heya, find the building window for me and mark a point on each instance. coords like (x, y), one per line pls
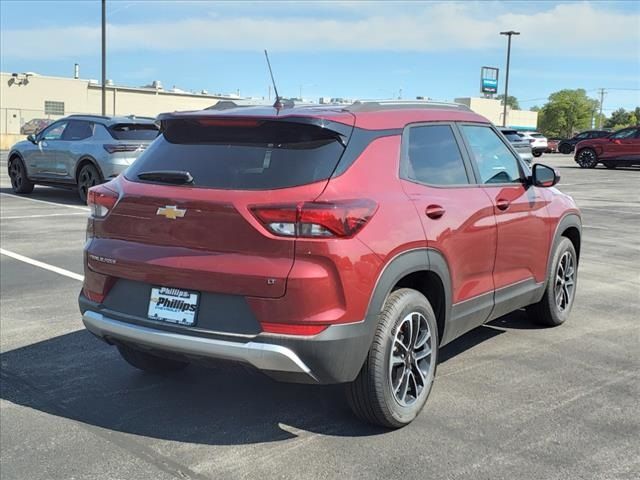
(53, 108)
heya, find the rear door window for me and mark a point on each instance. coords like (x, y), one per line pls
(434, 156)
(78, 130)
(243, 154)
(134, 131)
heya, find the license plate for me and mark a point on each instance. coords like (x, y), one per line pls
(173, 305)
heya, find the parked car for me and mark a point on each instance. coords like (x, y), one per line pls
(537, 140)
(520, 145)
(618, 149)
(325, 245)
(552, 145)
(34, 125)
(78, 152)
(567, 146)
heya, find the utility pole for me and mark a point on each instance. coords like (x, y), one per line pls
(104, 57)
(602, 92)
(509, 34)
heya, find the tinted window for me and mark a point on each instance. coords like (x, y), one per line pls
(256, 155)
(434, 156)
(495, 161)
(536, 135)
(78, 130)
(582, 136)
(628, 133)
(512, 135)
(54, 132)
(134, 131)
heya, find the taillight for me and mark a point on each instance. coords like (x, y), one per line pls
(123, 147)
(101, 200)
(341, 219)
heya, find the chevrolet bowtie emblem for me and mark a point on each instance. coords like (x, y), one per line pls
(171, 211)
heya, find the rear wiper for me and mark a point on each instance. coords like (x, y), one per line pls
(175, 177)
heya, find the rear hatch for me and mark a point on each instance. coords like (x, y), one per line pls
(202, 235)
(130, 139)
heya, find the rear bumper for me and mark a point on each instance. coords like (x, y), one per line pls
(263, 356)
(335, 355)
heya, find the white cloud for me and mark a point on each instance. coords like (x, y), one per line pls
(565, 29)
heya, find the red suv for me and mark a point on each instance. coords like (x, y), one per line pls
(621, 148)
(325, 245)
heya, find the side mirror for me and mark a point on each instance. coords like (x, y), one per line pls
(32, 139)
(544, 176)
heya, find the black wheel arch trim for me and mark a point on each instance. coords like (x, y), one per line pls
(91, 160)
(16, 153)
(569, 220)
(403, 264)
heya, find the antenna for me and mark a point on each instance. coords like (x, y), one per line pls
(278, 103)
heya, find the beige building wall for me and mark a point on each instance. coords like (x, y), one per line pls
(493, 111)
(23, 99)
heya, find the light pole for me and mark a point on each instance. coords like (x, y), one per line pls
(506, 83)
(104, 58)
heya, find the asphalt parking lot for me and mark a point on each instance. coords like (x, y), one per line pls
(511, 401)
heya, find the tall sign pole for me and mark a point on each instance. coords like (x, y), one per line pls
(104, 57)
(509, 34)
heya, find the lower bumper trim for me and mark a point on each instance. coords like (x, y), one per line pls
(263, 356)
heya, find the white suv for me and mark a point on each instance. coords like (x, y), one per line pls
(537, 140)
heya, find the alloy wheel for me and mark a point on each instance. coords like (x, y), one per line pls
(565, 282)
(410, 362)
(86, 180)
(16, 174)
(587, 158)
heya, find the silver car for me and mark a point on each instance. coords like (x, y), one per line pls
(520, 145)
(78, 152)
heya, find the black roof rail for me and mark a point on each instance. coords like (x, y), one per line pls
(374, 105)
(75, 115)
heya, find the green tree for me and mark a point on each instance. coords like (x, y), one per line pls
(621, 119)
(567, 112)
(535, 108)
(512, 102)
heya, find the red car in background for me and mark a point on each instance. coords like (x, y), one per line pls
(618, 149)
(552, 145)
(331, 244)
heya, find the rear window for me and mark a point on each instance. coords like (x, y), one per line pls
(536, 135)
(512, 135)
(243, 154)
(134, 131)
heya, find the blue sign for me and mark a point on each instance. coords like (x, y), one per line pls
(489, 80)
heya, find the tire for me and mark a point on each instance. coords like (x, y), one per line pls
(549, 310)
(384, 394)
(565, 149)
(87, 178)
(587, 158)
(150, 363)
(20, 183)
(537, 154)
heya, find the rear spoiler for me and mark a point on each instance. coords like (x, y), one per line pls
(342, 130)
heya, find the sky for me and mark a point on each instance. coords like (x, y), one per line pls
(353, 49)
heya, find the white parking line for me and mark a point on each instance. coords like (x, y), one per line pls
(37, 263)
(15, 217)
(77, 207)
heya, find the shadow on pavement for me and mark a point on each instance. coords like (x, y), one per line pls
(78, 377)
(50, 194)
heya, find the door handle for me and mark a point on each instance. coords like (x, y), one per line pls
(434, 211)
(502, 204)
